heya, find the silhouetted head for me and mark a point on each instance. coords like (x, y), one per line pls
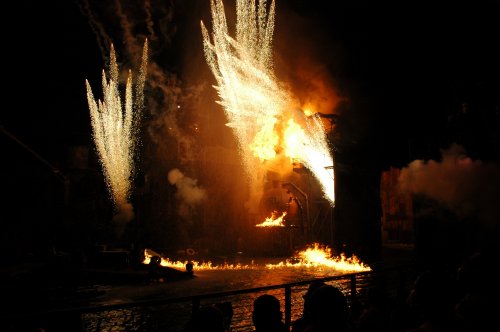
(432, 295)
(312, 287)
(206, 319)
(266, 313)
(328, 308)
(227, 311)
(307, 296)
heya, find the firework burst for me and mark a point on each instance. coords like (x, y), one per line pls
(264, 116)
(115, 125)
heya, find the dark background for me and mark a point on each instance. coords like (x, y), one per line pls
(405, 69)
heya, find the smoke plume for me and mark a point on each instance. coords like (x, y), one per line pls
(468, 187)
(124, 214)
(188, 191)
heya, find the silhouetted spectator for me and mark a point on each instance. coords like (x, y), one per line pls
(376, 312)
(302, 322)
(154, 268)
(267, 315)
(189, 267)
(206, 319)
(227, 311)
(477, 307)
(432, 300)
(329, 310)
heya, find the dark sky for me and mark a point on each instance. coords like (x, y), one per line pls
(403, 67)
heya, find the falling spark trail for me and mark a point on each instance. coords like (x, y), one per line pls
(115, 129)
(259, 109)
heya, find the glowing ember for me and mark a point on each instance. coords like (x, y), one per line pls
(273, 221)
(264, 116)
(321, 256)
(114, 129)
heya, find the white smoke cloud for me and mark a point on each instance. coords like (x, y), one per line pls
(470, 188)
(124, 214)
(188, 191)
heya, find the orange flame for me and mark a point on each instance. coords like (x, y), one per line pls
(273, 221)
(316, 256)
(308, 109)
(148, 254)
(266, 141)
(321, 256)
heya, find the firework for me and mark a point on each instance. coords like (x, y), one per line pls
(263, 115)
(114, 125)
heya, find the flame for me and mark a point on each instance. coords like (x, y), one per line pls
(273, 221)
(265, 141)
(166, 262)
(264, 116)
(315, 256)
(321, 256)
(308, 110)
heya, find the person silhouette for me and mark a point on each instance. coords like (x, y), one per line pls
(208, 318)
(267, 315)
(303, 321)
(329, 310)
(227, 312)
(432, 300)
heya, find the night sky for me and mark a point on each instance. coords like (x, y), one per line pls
(402, 68)
(401, 71)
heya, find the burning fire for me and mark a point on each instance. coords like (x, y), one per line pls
(264, 116)
(273, 221)
(314, 256)
(148, 254)
(321, 256)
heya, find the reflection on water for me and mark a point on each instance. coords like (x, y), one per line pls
(172, 317)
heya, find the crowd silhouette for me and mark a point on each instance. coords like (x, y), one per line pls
(435, 301)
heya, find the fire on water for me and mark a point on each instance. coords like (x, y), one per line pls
(314, 256)
(321, 256)
(148, 254)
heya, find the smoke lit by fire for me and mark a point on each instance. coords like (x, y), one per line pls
(467, 187)
(272, 127)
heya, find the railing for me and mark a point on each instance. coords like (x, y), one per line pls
(352, 290)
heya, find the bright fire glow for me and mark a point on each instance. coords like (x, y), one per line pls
(263, 115)
(114, 129)
(273, 221)
(316, 256)
(197, 265)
